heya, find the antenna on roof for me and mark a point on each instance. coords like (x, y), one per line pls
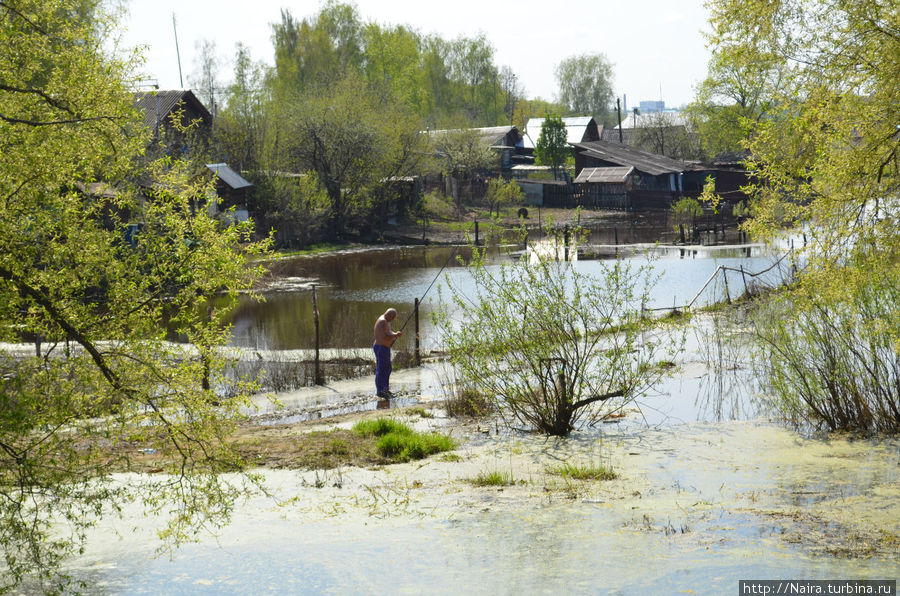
(177, 53)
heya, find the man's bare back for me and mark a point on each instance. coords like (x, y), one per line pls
(384, 335)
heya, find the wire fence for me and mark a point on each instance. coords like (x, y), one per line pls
(752, 281)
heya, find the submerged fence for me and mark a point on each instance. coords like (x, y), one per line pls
(749, 286)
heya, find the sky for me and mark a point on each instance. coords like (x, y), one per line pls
(656, 46)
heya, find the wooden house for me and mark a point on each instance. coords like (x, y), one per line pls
(231, 188)
(653, 182)
(161, 111)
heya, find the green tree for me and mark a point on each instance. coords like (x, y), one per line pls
(341, 133)
(317, 51)
(552, 148)
(827, 158)
(107, 381)
(740, 91)
(549, 345)
(462, 154)
(585, 84)
(502, 192)
(242, 124)
(393, 62)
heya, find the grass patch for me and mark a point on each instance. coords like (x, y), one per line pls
(398, 442)
(495, 478)
(421, 412)
(584, 472)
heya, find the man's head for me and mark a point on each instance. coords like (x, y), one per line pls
(390, 314)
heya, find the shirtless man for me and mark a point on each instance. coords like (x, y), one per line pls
(384, 339)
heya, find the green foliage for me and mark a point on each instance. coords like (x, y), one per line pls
(341, 134)
(535, 337)
(826, 157)
(462, 154)
(833, 360)
(585, 84)
(552, 148)
(381, 426)
(503, 192)
(69, 276)
(242, 122)
(684, 211)
(742, 89)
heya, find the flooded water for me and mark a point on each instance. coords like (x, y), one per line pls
(354, 288)
(696, 509)
(709, 493)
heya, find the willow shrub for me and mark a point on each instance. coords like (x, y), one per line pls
(834, 362)
(552, 346)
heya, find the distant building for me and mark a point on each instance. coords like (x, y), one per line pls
(648, 107)
(231, 188)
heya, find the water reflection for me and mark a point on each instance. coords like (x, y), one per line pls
(355, 288)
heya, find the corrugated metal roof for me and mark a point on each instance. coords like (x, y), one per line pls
(228, 176)
(531, 168)
(616, 174)
(157, 105)
(492, 136)
(576, 128)
(626, 155)
(654, 119)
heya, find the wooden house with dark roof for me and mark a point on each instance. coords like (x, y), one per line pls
(652, 182)
(159, 107)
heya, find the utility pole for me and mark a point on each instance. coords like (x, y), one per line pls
(177, 52)
(619, 112)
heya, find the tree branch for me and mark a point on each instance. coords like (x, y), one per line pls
(56, 103)
(595, 398)
(55, 122)
(23, 17)
(45, 302)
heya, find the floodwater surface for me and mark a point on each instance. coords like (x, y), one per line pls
(695, 509)
(354, 288)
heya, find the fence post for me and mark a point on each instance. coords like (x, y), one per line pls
(418, 354)
(566, 241)
(476, 232)
(744, 277)
(318, 375)
(727, 293)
